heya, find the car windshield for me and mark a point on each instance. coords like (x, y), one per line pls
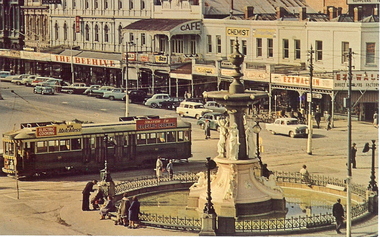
(198, 107)
(292, 122)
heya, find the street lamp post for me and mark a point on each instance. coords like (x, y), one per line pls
(372, 183)
(209, 214)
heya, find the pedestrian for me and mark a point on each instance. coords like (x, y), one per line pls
(305, 176)
(207, 129)
(338, 213)
(86, 195)
(353, 155)
(98, 199)
(169, 168)
(159, 167)
(123, 210)
(133, 213)
(375, 119)
(328, 120)
(108, 207)
(318, 117)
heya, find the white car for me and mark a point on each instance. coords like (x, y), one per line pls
(287, 126)
(215, 107)
(191, 109)
(156, 99)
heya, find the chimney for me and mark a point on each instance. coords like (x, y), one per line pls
(357, 14)
(248, 11)
(302, 11)
(280, 12)
(339, 11)
(332, 13)
(376, 11)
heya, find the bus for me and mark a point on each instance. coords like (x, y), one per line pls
(74, 147)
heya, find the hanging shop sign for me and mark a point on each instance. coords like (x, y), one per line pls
(77, 24)
(301, 81)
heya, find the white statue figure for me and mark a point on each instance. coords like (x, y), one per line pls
(231, 191)
(222, 122)
(234, 142)
(201, 181)
(250, 139)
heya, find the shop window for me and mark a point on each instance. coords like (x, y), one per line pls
(370, 53)
(270, 48)
(285, 48)
(259, 47)
(318, 50)
(218, 44)
(297, 49)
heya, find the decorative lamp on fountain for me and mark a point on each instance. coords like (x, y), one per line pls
(238, 190)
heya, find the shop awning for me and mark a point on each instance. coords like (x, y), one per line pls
(183, 72)
(166, 26)
(89, 58)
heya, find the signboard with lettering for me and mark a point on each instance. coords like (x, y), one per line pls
(153, 124)
(236, 31)
(360, 81)
(77, 24)
(302, 81)
(190, 27)
(51, 2)
(202, 70)
(264, 33)
(363, 2)
(161, 59)
(86, 61)
(59, 130)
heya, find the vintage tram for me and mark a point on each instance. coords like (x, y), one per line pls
(62, 147)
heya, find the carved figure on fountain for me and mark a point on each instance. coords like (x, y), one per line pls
(234, 142)
(223, 134)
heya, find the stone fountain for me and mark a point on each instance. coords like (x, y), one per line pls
(238, 189)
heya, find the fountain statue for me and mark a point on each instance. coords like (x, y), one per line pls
(238, 189)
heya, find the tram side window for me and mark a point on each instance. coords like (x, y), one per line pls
(141, 138)
(9, 148)
(126, 140)
(92, 142)
(180, 136)
(161, 137)
(151, 138)
(171, 136)
(42, 146)
(76, 144)
(64, 145)
(53, 145)
(187, 135)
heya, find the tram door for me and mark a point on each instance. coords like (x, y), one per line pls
(86, 152)
(131, 148)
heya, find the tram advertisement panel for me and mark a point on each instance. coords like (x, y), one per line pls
(150, 124)
(59, 130)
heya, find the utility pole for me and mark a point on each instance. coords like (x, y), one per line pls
(310, 100)
(348, 105)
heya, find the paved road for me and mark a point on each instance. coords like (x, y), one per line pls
(52, 206)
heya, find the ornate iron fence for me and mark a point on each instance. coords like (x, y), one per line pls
(270, 225)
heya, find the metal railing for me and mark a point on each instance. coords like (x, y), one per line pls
(271, 225)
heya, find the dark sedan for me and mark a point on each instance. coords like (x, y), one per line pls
(172, 103)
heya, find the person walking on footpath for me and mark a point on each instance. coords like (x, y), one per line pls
(318, 117)
(159, 166)
(123, 210)
(207, 129)
(169, 168)
(305, 176)
(375, 119)
(328, 120)
(133, 213)
(338, 213)
(353, 155)
(86, 195)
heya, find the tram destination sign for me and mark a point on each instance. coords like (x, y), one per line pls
(152, 124)
(59, 130)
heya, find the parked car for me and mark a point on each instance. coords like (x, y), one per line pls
(287, 126)
(98, 93)
(198, 100)
(43, 89)
(172, 103)
(215, 107)
(156, 100)
(75, 88)
(27, 81)
(91, 88)
(191, 109)
(212, 118)
(4, 74)
(115, 94)
(39, 80)
(18, 78)
(137, 96)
